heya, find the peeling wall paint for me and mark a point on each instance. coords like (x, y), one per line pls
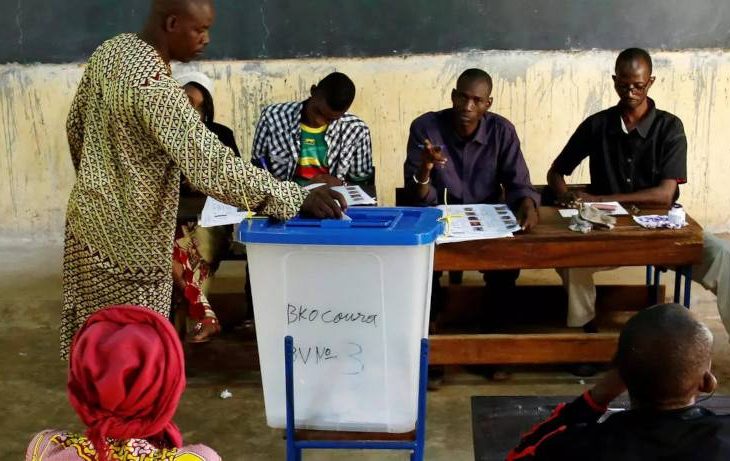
(545, 94)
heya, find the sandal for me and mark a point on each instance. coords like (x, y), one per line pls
(204, 330)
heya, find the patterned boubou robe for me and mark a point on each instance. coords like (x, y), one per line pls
(131, 132)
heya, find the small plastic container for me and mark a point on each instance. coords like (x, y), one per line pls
(355, 296)
(676, 215)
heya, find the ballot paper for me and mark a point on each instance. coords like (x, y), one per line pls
(217, 213)
(354, 195)
(654, 221)
(610, 208)
(477, 222)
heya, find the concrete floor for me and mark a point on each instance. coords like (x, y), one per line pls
(32, 378)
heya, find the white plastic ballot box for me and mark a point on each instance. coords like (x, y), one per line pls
(355, 296)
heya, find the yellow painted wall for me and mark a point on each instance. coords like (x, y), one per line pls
(545, 94)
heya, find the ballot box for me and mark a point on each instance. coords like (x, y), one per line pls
(355, 296)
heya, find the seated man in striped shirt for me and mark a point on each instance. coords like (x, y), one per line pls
(315, 140)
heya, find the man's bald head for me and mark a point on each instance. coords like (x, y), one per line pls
(164, 8)
(664, 357)
(180, 27)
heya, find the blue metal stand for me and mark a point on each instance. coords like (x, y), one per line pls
(653, 279)
(649, 270)
(686, 272)
(681, 271)
(294, 447)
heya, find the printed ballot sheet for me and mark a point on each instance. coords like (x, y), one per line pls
(354, 195)
(477, 222)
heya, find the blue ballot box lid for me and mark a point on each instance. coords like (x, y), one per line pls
(368, 226)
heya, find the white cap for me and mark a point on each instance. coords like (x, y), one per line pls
(196, 77)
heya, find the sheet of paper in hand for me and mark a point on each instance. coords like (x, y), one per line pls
(477, 222)
(217, 213)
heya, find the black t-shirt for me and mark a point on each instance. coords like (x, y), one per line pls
(573, 433)
(623, 163)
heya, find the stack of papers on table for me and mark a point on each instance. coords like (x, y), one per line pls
(610, 208)
(477, 222)
(354, 195)
(217, 213)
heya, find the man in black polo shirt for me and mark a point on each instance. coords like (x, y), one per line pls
(637, 154)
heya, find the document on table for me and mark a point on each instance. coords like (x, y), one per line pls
(611, 208)
(354, 195)
(477, 222)
(217, 213)
(654, 221)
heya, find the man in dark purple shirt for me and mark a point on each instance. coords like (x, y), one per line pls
(475, 157)
(471, 153)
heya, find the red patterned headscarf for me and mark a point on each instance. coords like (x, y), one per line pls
(126, 377)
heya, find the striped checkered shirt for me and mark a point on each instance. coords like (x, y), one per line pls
(278, 142)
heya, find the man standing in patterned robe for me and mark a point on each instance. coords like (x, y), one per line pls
(131, 132)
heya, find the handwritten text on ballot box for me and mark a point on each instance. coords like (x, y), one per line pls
(355, 297)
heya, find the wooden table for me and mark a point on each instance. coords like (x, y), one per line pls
(552, 245)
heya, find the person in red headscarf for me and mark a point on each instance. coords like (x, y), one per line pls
(125, 380)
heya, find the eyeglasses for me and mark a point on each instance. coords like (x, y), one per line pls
(639, 87)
